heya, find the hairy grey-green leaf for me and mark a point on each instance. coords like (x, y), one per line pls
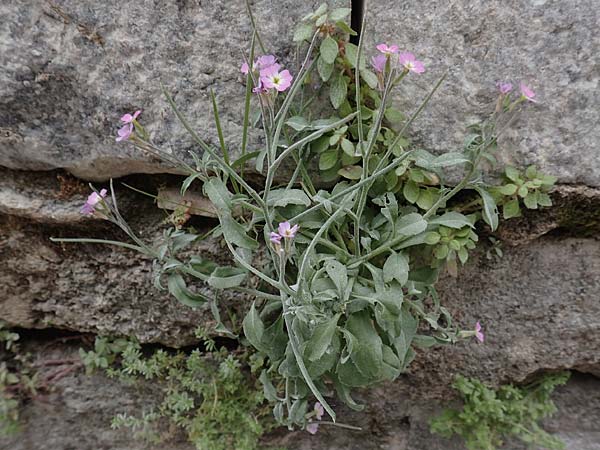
(396, 267)
(254, 328)
(368, 356)
(411, 224)
(226, 277)
(452, 219)
(329, 50)
(321, 338)
(284, 197)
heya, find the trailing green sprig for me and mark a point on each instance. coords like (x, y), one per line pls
(490, 416)
(208, 395)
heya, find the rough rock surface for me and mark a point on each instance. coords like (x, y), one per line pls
(78, 411)
(69, 69)
(85, 287)
(551, 45)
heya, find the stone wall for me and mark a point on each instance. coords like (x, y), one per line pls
(69, 69)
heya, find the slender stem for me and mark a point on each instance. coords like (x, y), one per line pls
(99, 241)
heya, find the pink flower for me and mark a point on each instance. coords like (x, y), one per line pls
(383, 48)
(319, 411)
(410, 63)
(272, 78)
(275, 238)
(527, 93)
(286, 230)
(128, 118)
(124, 132)
(312, 427)
(262, 62)
(93, 199)
(478, 333)
(504, 87)
(378, 63)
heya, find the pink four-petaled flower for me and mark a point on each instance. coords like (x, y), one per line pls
(275, 238)
(126, 130)
(93, 199)
(478, 333)
(410, 63)
(527, 93)
(378, 62)
(286, 230)
(272, 78)
(387, 50)
(312, 427)
(504, 87)
(319, 410)
(129, 118)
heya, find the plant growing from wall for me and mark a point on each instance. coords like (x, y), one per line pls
(348, 288)
(490, 416)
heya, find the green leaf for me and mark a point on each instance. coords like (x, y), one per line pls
(269, 390)
(351, 172)
(531, 172)
(449, 159)
(283, 197)
(426, 199)
(452, 219)
(329, 50)
(343, 26)
(508, 189)
(304, 32)
(321, 339)
(368, 354)
(410, 191)
(511, 209)
(370, 78)
(396, 267)
(523, 191)
(338, 273)
(348, 147)
(188, 181)
(530, 200)
(328, 159)
(226, 277)
(411, 224)
(254, 329)
(298, 123)
(179, 290)
(512, 173)
(218, 193)
(394, 115)
(235, 233)
(351, 54)
(490, 210)
(324, 68)
(338, 91)
(339, 14)
(544, 199)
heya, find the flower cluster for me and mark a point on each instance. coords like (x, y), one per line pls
(268, 75)
(406, 60)
(527, 93)
(93, 199)
(126, 130)
(284, 231)
(318, 413)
